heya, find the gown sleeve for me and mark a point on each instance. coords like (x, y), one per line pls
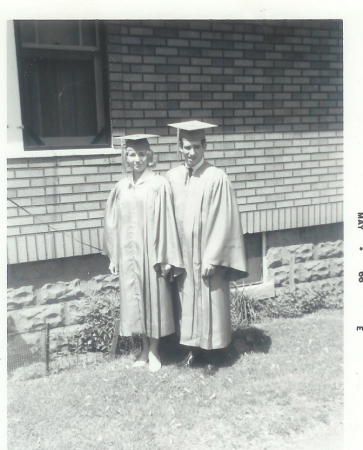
(167, 244)
(110, 234)
(224, 244)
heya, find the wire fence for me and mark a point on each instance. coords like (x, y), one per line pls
(29, 354)
(28, 349)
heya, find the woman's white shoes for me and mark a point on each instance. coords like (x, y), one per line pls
(154, 362)
(139, 363)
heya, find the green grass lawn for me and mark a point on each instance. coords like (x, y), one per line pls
(291, 397)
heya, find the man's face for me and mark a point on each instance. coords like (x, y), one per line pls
(193, 151)
(137, 159)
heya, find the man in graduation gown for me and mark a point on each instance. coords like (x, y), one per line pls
(211, 239)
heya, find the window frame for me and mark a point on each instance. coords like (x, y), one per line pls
(100, 62)
(263, 278)
(260, 257)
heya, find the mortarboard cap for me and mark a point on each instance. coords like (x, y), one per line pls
(192, 125)
(191, 129)
(137, 137)
(137, 142)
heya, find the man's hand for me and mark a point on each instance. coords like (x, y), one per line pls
(165, 269)
(113, 268)
(208, 270)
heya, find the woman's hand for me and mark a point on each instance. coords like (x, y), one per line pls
(113, 268)
(208, 270)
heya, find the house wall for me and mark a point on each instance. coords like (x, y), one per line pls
(65, 197)
(274, 89)
(268, 76)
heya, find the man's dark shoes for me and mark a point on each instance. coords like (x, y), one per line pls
(238, 345)
(186, 362)
(197, 358)
(210, 369)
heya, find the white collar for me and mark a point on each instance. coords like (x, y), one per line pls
(197, 166)
(146, 175)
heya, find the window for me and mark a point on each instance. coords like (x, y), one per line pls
(253, 246)
(63, 91)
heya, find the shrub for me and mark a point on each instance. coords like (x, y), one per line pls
(301, 300)
(100, 319)
(102, 311)
(287, 304)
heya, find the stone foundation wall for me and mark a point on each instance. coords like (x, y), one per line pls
(62, 305)
(307, 265)
(31, 300)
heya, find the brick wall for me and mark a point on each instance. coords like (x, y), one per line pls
(259, 76)
(277, 187)
(274, 89)
(66, 198)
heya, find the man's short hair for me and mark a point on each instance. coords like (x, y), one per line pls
(202, 141)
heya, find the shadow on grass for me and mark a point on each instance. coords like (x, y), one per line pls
(244, 340)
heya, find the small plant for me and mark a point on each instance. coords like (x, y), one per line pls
(99, 319)
(245, 309)
(238, 307)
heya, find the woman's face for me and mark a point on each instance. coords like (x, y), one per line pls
(137, 159)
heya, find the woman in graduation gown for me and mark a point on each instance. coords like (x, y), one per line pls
(141, 240)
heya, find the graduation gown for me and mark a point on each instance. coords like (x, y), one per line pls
(140, 232)
(210, 232)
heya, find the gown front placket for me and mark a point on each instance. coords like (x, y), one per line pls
(136, 243)
(192, 249)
